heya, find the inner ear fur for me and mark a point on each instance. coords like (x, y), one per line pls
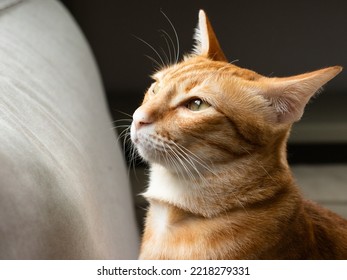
(289, 96)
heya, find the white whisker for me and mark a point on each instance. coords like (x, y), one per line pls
(126, 114)
(176, 35)
(157, 65)
(165, 36)
(154, 50)
(182, 163)
(193, 157)
(167, 60)
(122, 120)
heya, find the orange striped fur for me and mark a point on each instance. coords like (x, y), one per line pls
(220, 187)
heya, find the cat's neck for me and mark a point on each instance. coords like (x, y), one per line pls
(238, 186)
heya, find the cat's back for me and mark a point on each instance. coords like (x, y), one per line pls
(329, 231)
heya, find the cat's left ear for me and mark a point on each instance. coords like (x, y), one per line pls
(289, 96)
(206, 43)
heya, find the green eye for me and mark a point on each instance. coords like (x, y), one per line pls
(155, 88)
(197, 105)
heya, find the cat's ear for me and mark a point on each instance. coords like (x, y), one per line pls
(206, 43)
(289, 96)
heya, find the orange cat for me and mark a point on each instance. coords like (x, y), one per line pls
(220, 185)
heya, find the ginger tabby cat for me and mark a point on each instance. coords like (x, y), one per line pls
(220, 186)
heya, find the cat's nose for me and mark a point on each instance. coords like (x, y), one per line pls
(141, 118)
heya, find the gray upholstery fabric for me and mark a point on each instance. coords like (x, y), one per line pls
(64, 192)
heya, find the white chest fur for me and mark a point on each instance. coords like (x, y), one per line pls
(159, 219)
(165, 186)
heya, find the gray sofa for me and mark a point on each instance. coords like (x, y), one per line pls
(64, 190)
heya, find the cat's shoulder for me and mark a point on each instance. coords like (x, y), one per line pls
(320, 214)
(329, 231)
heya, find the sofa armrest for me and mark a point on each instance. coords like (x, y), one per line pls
(64, 192)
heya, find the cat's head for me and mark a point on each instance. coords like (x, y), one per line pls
(206, 112)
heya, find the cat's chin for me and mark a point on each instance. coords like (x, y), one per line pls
(156, 157)
(152, 154)
(180, 168)
(163, 159)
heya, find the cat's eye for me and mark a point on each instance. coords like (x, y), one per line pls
(197, 105)
(155, 88)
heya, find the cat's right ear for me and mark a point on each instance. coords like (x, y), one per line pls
(206, 43)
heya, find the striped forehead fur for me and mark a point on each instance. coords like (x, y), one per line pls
(201, 69)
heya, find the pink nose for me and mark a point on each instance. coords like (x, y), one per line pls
(141, 118)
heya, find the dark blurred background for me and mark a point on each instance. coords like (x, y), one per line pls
(273, 38)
